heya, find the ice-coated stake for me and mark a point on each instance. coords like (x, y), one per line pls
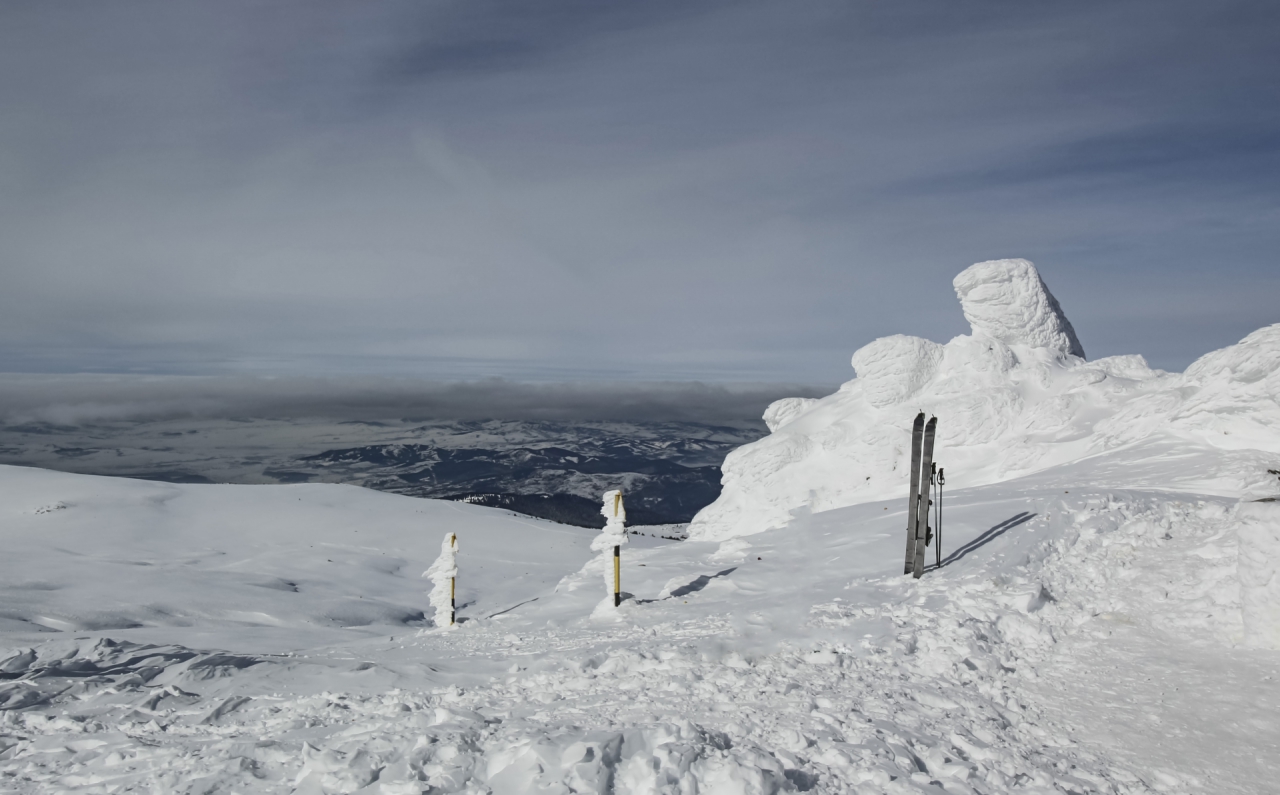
(444, 578)
(612, 536)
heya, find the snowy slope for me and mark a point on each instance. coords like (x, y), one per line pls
(1084, 642)
(256, 567)
(1012, 398)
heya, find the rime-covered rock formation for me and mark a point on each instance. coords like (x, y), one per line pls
(1006, 299)
(1013, 398)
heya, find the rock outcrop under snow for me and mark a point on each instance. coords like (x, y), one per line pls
(1013, 398)
(1006, 299)
(780, 412)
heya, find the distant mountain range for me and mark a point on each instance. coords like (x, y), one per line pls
(554, 470)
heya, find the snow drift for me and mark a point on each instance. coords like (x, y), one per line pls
(1013, 398)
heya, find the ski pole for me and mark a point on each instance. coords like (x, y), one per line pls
(937, 554)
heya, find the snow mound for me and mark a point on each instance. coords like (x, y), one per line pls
(892, 369)
(1259, 568)
(1014, 398)
(1006, 299)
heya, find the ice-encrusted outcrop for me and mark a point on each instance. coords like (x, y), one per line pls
(1006, 299)
(893, 368)
(1013, 398)
(780, 412)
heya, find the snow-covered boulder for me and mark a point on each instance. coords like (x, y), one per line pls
(1006, 299)
(892, 369)
(1013, 398)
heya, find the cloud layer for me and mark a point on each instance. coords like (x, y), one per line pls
(717, 191)
(79, 399)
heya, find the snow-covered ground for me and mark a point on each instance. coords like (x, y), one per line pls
(1106, 618)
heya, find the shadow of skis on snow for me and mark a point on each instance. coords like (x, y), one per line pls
(988, 536)
(702, 581)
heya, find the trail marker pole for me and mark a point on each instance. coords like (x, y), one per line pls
(612, 537)
(617, 556)
(445, 569)
(617, 576)
(453, 584)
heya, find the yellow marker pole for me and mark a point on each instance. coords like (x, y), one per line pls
(617, 576)
(453, 587)
(617, 557)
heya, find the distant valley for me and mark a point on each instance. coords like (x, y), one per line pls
(550, 469)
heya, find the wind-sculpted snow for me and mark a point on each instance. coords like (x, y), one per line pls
(892, 369)
(780, 412)
(1012, 398)
(1007, 300)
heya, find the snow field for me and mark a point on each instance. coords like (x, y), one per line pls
(786, 661)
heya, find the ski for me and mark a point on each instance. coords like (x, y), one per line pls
(922, 513)
(913, 496)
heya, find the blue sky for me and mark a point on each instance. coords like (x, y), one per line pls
(577, 190)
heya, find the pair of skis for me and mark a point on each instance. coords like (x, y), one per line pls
(919, 534)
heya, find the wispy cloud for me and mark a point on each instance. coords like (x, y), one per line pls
(714, 191)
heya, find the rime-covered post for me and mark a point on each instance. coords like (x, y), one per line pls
(444, 577)
(613, 536)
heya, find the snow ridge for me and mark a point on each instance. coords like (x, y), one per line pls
(1013, 398)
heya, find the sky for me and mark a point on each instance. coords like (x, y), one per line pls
(582, 191)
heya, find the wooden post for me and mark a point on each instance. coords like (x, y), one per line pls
(617, 557)
(453, 586)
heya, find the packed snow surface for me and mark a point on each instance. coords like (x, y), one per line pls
(1104, 620)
